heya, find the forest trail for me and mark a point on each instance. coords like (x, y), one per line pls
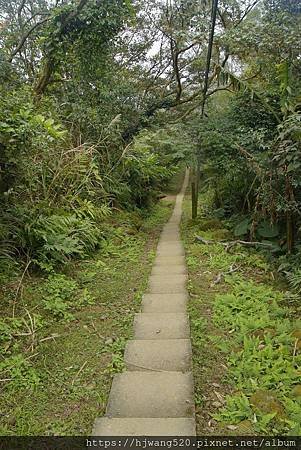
(155, 396)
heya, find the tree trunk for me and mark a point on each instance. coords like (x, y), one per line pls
(194, 204)
(290, 229)
(45, 77)
(50, 60)
(198, 176)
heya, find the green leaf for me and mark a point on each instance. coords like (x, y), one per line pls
(39, 118)
(266, 229)
(293, 166)
(49, 122)
(242, 227)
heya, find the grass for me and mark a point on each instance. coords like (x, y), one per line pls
(245, 337)
(67, 338)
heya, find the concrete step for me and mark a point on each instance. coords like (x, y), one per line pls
(162, 355)
(137, 426)
(161, 326)
(167, 284)
(164, 303)
(170, 249)
(170, 233)
(171, 227)
(168, 252)
(178, 269)
(169, 230)
(169, 238)
(169, 260)
(165, 245)
(151, 394)
(176, 278)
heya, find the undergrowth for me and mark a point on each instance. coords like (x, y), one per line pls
(263, 357)
(245, 325)
(63, 335)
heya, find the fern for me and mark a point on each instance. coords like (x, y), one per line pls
(294, 280)
(64, 236)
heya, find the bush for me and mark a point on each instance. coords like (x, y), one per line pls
(61, 192)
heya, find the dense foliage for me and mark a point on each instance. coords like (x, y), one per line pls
(82, 82)
(100, 101)
(69, 156)
(250, 140)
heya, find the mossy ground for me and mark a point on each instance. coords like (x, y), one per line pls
(61, 381)
(243, 338)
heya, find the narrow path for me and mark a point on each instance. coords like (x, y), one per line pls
(154, 397)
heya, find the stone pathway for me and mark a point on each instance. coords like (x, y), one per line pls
(154, 397)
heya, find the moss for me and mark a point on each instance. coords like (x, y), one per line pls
(222, 234)
(245, 427)
(266, 402)
(296, 391)
(209, 224)
(263, 332)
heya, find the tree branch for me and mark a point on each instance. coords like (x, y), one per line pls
(175, 62)
(209, 52)
(19, 12)
(249, 9)
(25, 37)
(230, 244)
(50, 64)
(223, 88)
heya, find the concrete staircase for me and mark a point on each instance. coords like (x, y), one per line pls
(154, 397)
